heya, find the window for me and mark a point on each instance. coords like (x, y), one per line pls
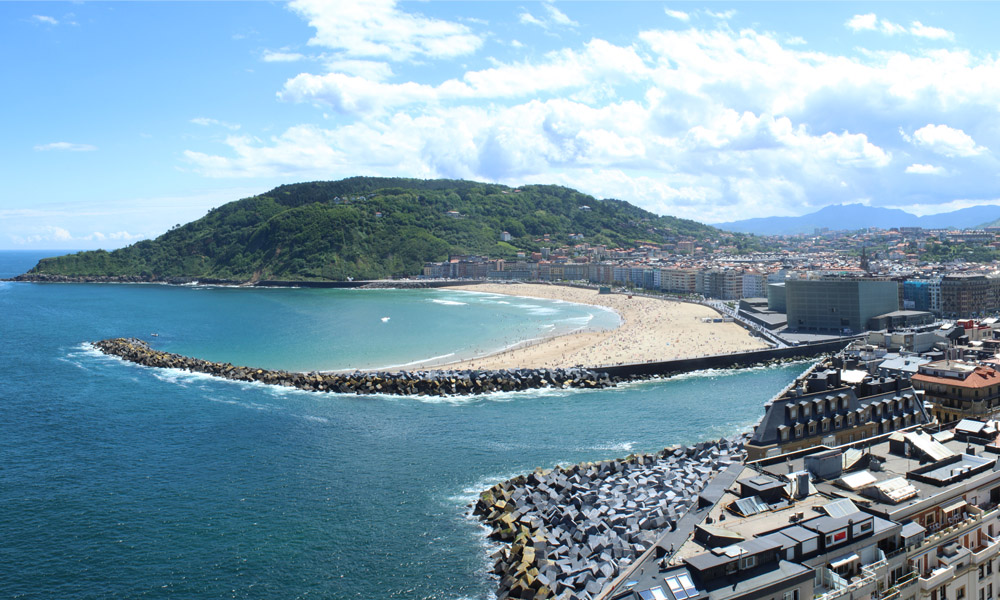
(748, 562)
(791, 595)
(866, 526)
(826, 424)
(812, 428)
(960, 593)
(784, 435)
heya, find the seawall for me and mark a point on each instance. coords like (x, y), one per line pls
(722, 361)
(419, 383)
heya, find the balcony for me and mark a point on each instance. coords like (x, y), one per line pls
(902, 586)
(936, 577)
(864, 585)
(986, 549)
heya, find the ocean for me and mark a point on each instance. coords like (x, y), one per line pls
(120, 481)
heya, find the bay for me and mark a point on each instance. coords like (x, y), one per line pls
(118, 481)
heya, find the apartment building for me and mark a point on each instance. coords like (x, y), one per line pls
(954, 390)
(909, 515)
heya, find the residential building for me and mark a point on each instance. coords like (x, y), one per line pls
(954, 390)
(966, 295)
(821, 408)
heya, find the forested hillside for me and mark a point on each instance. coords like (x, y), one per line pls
(369, 228)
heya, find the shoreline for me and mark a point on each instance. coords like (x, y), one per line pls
(651, 330)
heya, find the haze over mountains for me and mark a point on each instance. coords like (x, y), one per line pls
(859, 216)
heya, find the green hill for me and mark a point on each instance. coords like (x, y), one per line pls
(370, 228)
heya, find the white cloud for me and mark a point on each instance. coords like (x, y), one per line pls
(206, 122)
(61, 236)
(708, 124)
(526, 18)
(272, 56)
(44, 19)
(554, 18)
(864, 22)
(933, 33)
(558, 17)
(369, 69)
(563, 70)
(677, 14)
(947, 141)
(890, 28)
(871, 22)
(724, 15)
(378, 28)
(921, 169)
(65, 147)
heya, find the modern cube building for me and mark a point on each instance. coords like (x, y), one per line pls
(838, 305)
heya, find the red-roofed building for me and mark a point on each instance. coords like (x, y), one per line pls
(955, 390)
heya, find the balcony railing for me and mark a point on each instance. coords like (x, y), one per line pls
(936, 578)
(902, 584)
(869, 576)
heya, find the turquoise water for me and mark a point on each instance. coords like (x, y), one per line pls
(118, 481)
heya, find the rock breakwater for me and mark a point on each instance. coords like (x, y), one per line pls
(419, 383)
(572, 529)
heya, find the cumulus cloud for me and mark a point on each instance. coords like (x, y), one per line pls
(369, 69)
(379, 28)
(352, 94)
(707, 124)
(871, 22)
(864, 22)
(44, 19)
(65, 147)
(934, 33)
(273, 56)
(946, 141)
(921, 169)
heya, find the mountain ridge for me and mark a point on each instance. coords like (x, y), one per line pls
(858, 216)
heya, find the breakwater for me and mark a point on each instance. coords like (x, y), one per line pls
(571, 530)
(419, 383)
(734, 360)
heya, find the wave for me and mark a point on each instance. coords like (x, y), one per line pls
(448, 302)
(625, 447)
(409, 364)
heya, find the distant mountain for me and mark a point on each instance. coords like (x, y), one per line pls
(369, 228)
(858, 216)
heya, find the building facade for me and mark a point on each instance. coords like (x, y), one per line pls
(956, 390)
(838, 305)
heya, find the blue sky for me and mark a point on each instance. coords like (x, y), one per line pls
(122, 119)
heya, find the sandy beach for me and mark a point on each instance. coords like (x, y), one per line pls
(652, 329)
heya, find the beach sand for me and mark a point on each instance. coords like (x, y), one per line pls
(652, 329)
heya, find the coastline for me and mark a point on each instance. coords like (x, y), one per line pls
(651, 329)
